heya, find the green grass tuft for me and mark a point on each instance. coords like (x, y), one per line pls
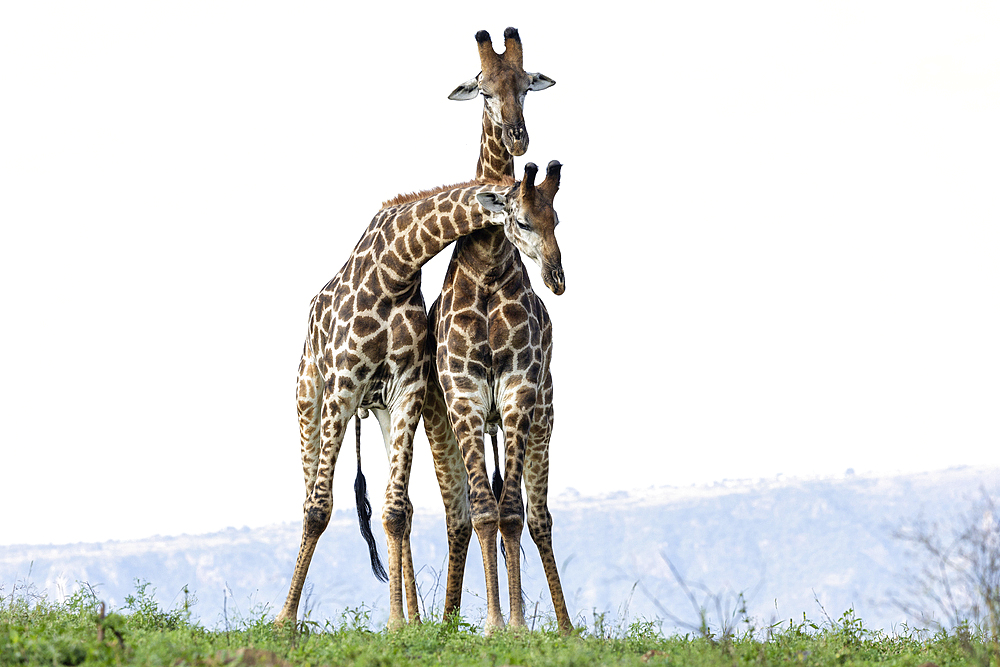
(36, 631)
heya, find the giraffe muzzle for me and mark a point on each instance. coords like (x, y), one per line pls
(515, 138)
(555, 280)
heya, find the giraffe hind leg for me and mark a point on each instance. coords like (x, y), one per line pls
(397, 512)
(308, 404)
(464, 415)
(453, 481)
(409, 576)
(516, 422)
(316, 510)
(497, 486)
(536, 484)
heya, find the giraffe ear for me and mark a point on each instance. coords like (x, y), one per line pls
(467, 91)
(539, 81)
(494, 202)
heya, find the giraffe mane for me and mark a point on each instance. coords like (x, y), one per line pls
(406, 198)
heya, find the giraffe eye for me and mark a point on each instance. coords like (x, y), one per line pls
(523, 225)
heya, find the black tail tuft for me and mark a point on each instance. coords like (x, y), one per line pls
(365, 514)
(365, 521)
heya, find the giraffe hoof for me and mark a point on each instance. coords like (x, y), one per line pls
(282, 619)
(517, 629)
(493, 627)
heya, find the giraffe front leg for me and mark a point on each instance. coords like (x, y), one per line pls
(536, 484)
(516, 423)
(397, 512)
(318, 505)
(453, 482)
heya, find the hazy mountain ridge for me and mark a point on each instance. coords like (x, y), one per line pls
(782, 541)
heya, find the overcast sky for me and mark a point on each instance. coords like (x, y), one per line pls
(781, 228)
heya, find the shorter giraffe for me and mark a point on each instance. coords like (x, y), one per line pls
(488, 298)
(493, 340)
(366, 348)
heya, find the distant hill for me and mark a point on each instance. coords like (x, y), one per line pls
(789, 545)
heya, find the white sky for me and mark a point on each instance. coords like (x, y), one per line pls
(781, 235)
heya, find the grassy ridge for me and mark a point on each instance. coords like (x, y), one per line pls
(35, 631)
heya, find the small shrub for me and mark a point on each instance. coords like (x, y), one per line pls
(145, 613)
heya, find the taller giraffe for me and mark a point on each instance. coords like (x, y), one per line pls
(366, 349)
(493, 341)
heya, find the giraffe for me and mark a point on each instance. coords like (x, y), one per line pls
(365, 349)
(493, 340)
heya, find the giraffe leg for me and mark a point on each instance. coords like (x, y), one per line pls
(308, 403)
(516, 423)
(536, 484)
(332, 424)
(454, 484)
(409, 575)
(397, 512)
(483, 505)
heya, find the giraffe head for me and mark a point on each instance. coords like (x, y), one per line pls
(503, 84)
(529, 220)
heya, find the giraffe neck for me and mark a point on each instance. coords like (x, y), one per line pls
(488, 250)
(495, 161)
(403, 238)
(486, 253)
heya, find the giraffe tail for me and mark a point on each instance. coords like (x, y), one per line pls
(365, 510)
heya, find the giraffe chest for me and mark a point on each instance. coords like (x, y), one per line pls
(486, 338)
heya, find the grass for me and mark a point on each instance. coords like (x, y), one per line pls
(79, 631)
